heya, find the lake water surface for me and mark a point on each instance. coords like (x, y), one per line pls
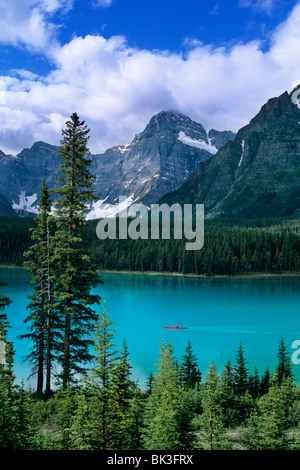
(219, 313)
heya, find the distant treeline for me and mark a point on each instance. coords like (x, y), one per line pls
(231, 246)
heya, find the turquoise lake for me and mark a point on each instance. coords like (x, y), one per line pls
(219, 313)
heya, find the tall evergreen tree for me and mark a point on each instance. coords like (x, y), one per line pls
(75, 274)
(189, 372)
(240, 373)
(167, 420)
(43, 323)
(100, 386)
(283, 369)
(211, 430)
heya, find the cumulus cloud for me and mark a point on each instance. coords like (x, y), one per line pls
(28, 22)
(116, 88)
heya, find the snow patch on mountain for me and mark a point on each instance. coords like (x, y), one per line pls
(200, 144)
(26, 203)
(243, 151)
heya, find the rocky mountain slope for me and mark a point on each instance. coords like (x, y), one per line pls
(155, 162)
(257, 174)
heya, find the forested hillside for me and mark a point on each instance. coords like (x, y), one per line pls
(231, 246)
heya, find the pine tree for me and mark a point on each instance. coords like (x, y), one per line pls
(226, 397)
(75, 274)
(267, 427)
(283, 369)
(80, 426)
(240, 373)
(43, 323)
(167, 421)
(132, 426)
(265, 382)
(64, 419)
(254, 384)
(211, 430)
(122, 389)
(27, 435)
(100, 386)
(189, 372)
(149, 384)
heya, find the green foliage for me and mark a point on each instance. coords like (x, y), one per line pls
(167, 420)
(43, 323)
(268, 425)
(283, 369)
(212, 434)
(189, 372)
(231, 247)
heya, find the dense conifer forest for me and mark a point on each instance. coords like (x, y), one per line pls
(231, 246)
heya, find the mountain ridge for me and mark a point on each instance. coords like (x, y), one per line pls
(254, 175)
(154, 163)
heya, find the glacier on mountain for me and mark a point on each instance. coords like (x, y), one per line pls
(200, 144)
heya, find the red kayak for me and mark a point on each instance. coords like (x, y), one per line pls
(176, 327)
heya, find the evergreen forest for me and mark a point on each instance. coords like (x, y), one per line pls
(231, 247)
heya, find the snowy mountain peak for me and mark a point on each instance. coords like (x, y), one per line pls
(155, 162)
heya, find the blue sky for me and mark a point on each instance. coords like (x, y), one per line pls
(119, 62)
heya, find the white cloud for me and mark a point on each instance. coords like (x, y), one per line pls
(265, 6)
(103, 3)
(116, 89)
(28, 22)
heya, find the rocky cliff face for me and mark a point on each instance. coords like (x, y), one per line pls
(155, 162)
(257, 174)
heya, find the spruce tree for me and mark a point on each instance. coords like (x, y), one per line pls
(80, 426)
(211, 429)
(75, 274)
(27, 433)
(100, 386)
(64, 418)
(189, 372)
(167, 419)
(122, 389)
(268, 425)
(42, 320)
(132, 426)
(283, 369)
(265, 382)
(240, 373)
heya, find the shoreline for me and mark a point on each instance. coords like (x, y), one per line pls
(261, 275)
(203, 276)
